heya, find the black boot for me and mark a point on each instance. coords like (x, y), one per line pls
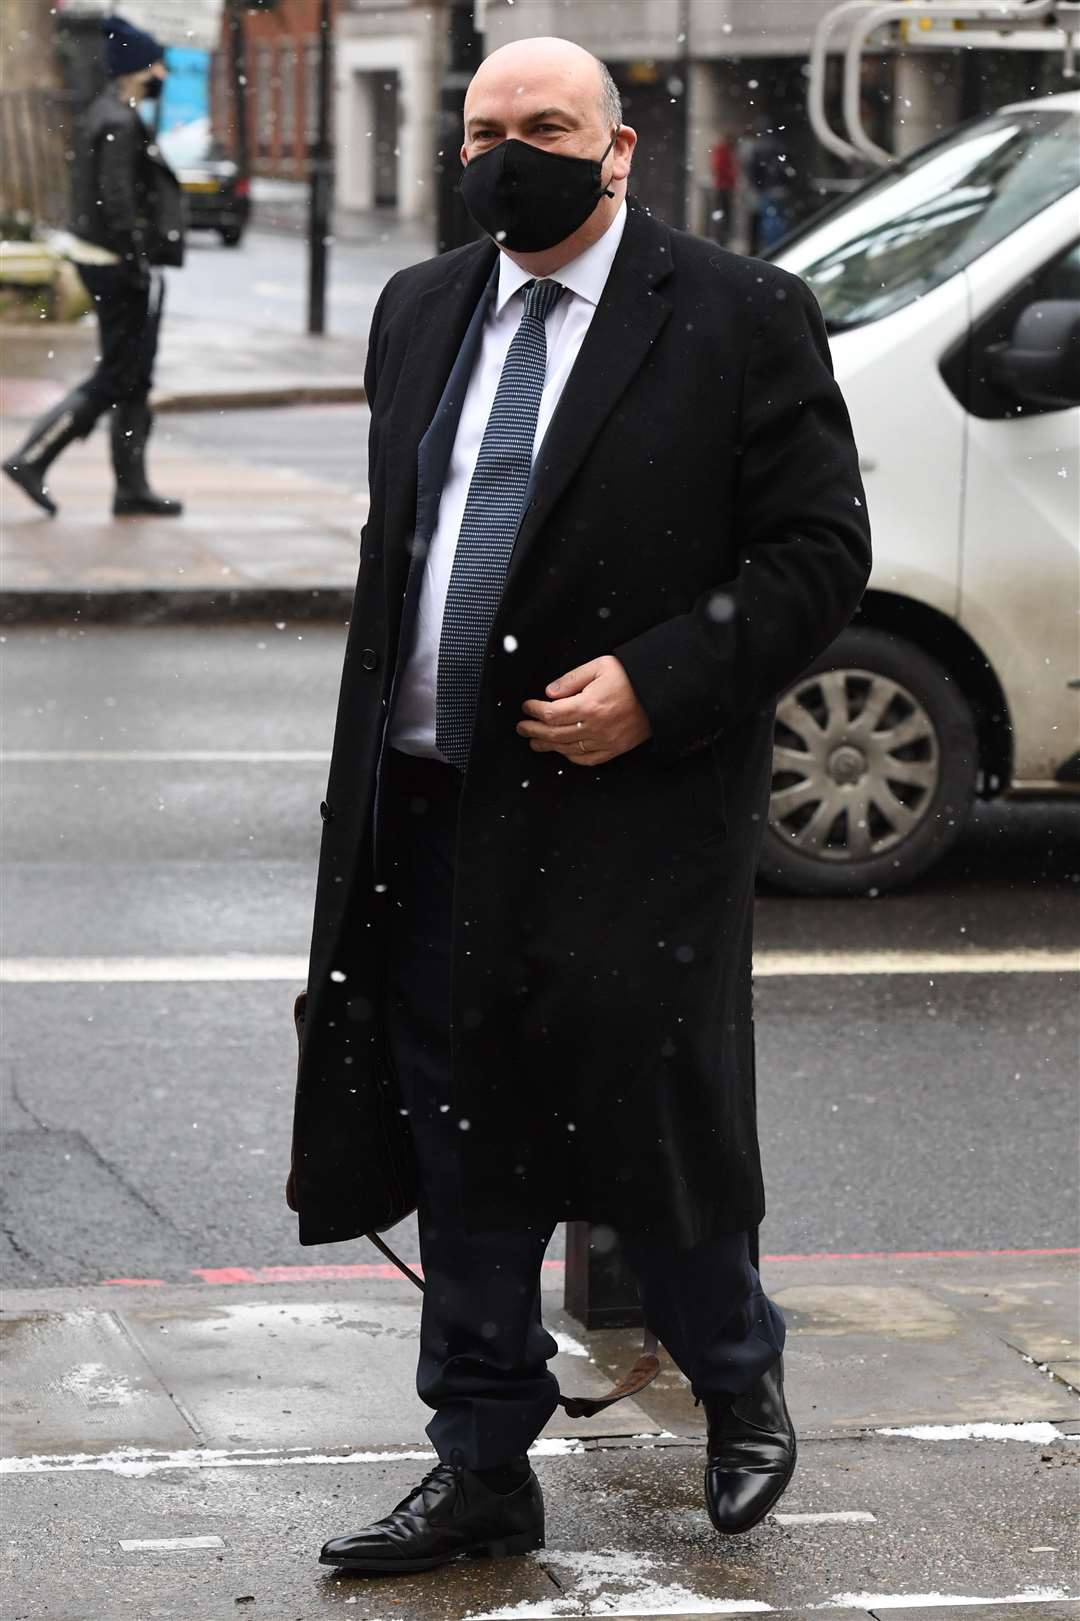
(71, 419)
(450, 1515)
(131, 424)
(751, 1453)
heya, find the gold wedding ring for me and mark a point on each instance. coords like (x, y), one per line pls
(581, 746)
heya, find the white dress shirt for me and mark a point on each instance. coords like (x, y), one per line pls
(412, 727)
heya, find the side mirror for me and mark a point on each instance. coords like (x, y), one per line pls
(1040, 365)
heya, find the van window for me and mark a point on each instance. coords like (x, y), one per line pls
(934, 213)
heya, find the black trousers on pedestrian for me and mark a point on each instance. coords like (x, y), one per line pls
(483, 1347)
(129, 319)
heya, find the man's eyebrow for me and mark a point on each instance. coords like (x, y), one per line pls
(533, 118)
(551, 112)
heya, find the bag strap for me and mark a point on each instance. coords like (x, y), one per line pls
(643, 1372)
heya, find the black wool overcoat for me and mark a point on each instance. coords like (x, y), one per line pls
(697, 512)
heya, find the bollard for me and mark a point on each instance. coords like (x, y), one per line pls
(601, 1291)
(600, 1288)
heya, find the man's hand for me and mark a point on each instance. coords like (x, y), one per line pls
(589, 716)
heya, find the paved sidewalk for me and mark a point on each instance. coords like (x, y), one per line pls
(252, 542)
(180, 1453)
(201, 365)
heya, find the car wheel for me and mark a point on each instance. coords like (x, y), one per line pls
(874, 766)
(231, 237)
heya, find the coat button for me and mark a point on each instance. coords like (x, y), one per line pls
(325, 812)
(369, 659)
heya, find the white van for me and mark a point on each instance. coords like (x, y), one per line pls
(951, 288)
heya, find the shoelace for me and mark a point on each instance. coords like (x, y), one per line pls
(441, 1475)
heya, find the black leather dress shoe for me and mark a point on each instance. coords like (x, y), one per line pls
(751, 1453)
(450, 1515)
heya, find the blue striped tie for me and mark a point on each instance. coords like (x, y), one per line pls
(489, 525)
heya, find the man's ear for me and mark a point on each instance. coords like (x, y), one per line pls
(464, 155)
(623, 151)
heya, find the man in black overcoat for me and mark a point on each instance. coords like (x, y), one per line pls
(615, 511)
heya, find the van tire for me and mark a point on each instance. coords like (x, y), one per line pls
(875, 763)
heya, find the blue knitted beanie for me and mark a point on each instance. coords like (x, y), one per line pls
(127, 48)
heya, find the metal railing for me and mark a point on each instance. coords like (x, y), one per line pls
(996, 20)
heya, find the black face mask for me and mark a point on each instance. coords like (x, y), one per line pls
(153, 89)
(529, 199)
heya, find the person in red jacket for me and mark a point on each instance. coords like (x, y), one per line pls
(724, 174)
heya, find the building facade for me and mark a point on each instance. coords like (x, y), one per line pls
(689, 71)
(281, 52)
(388, 61)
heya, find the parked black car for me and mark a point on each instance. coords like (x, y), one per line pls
(216, 195)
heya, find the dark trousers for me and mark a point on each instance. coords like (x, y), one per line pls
(129, 319)
(483, 1347)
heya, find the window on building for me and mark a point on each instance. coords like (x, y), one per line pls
(264, 100)
(287, 73)
(311, 92)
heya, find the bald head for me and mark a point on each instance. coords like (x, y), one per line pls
(537, 67)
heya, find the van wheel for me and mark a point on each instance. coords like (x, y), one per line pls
(874, 766)
(231, 236)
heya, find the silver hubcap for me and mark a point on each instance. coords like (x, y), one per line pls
(855, 765)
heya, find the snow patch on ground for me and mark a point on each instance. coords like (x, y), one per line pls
(138, 1462)
(94, 1384)
(555, 1446)
(1039, 1434)
(568, 1345)
(613, 1583)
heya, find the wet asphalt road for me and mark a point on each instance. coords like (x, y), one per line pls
(147, 1125)
(324, 441)
(263, 283)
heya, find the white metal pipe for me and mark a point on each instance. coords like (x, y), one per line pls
(819, 67)
(1002, 15)
(999, 15)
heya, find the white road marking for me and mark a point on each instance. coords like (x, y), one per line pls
(168, 1544)
(147, 970)
(1037, 1434)
(844, 1516)
(767, 965)
(1022, 960)
(139, 1462)
(165, 757)
(933, 1601)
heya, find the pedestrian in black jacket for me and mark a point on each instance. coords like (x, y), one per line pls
(128, 219)
(615, 511)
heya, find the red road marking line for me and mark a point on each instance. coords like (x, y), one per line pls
(297, 1274)
(382, 1271)
(913, 1255)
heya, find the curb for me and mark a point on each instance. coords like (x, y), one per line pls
(153, 607)
(255, 399)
